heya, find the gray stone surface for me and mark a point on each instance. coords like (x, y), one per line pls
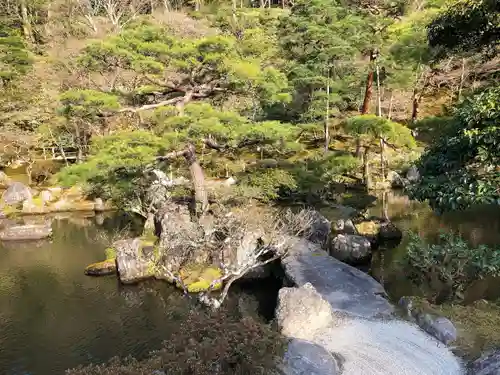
(413, 175)
(295, 308)
(320, 229)
(16, 193)
(435, 325)
(362, 346)
(346, 288)
(344, 226)
(306, 358)
(132, 265)
(487, 364)
(350, 248)
(26, 232)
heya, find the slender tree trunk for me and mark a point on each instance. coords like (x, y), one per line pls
(366, 169)
(327, 114)
(235, 19)
(462, 79)
(389, 115)
(368, 95)
(382, 158)
(379, 99)
(27, 29)
(415, 107)
(198, 179)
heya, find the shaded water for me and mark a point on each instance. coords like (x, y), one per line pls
(477, 226)
(53, 317)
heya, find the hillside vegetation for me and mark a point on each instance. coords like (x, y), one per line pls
(296, 100)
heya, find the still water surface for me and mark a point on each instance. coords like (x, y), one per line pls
(53, 317)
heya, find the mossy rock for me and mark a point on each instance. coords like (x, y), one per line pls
(198, 277)
(368, 228)
(110, 253)
(104, 268)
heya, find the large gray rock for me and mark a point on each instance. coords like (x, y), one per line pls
(396, 180)
(350, 248)
(306, 358)
(365, 346)
(346, 288)
(26, 232)
(344, 226)
(133, 264)
(295, 308)
(16, 193)
(320, 229)
(487, 364)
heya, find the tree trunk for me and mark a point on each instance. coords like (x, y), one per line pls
(415, 108)
(327, 114)
(182, 103)
(379, 100)
(27, 29)
(198, 179)
(389, 115)
(462, 79)
(366, 169)
(369, 85)
(382, 159)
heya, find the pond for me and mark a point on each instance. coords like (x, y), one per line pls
(53, 317)
(477, 226)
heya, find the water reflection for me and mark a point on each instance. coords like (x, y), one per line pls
(480, 225)
(53, 317)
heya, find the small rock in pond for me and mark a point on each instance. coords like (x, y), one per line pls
(26, 232)
(342, 226)
(107, 267)
(350, 248)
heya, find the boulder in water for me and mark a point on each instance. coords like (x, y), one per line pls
(26, 232)
(320, 229)
(350, 248)
(132, 264)
(396, 180)
(344, 226)
(104, 268)
(16, 193)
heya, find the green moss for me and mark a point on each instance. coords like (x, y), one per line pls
(368, 228)
(110, 253)
(198, 277)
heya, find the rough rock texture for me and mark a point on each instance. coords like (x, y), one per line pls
(99, 205)
(104, 268)
(389, 232)
(26, 232)
(16, 193)
(396, 180)
(132, 264)
(306, 358)
(346, 288)
(438, 326)
(344, 226)
(487, 364)
(321, 228)
(295, 308)
(365, 346)
(350, 248)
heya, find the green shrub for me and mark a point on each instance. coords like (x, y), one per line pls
(269, 184)
(450, 265)
(205, 343)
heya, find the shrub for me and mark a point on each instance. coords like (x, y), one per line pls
(450, 264)
(205, 343)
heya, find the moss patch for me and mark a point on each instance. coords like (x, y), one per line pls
(110, 253)
(368, 228)
(198, 277)
(106, 267)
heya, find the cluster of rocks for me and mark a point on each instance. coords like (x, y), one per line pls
(19, 199)
(398, 181)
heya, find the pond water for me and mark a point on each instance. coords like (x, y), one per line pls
(477, 226)
(53, 317)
